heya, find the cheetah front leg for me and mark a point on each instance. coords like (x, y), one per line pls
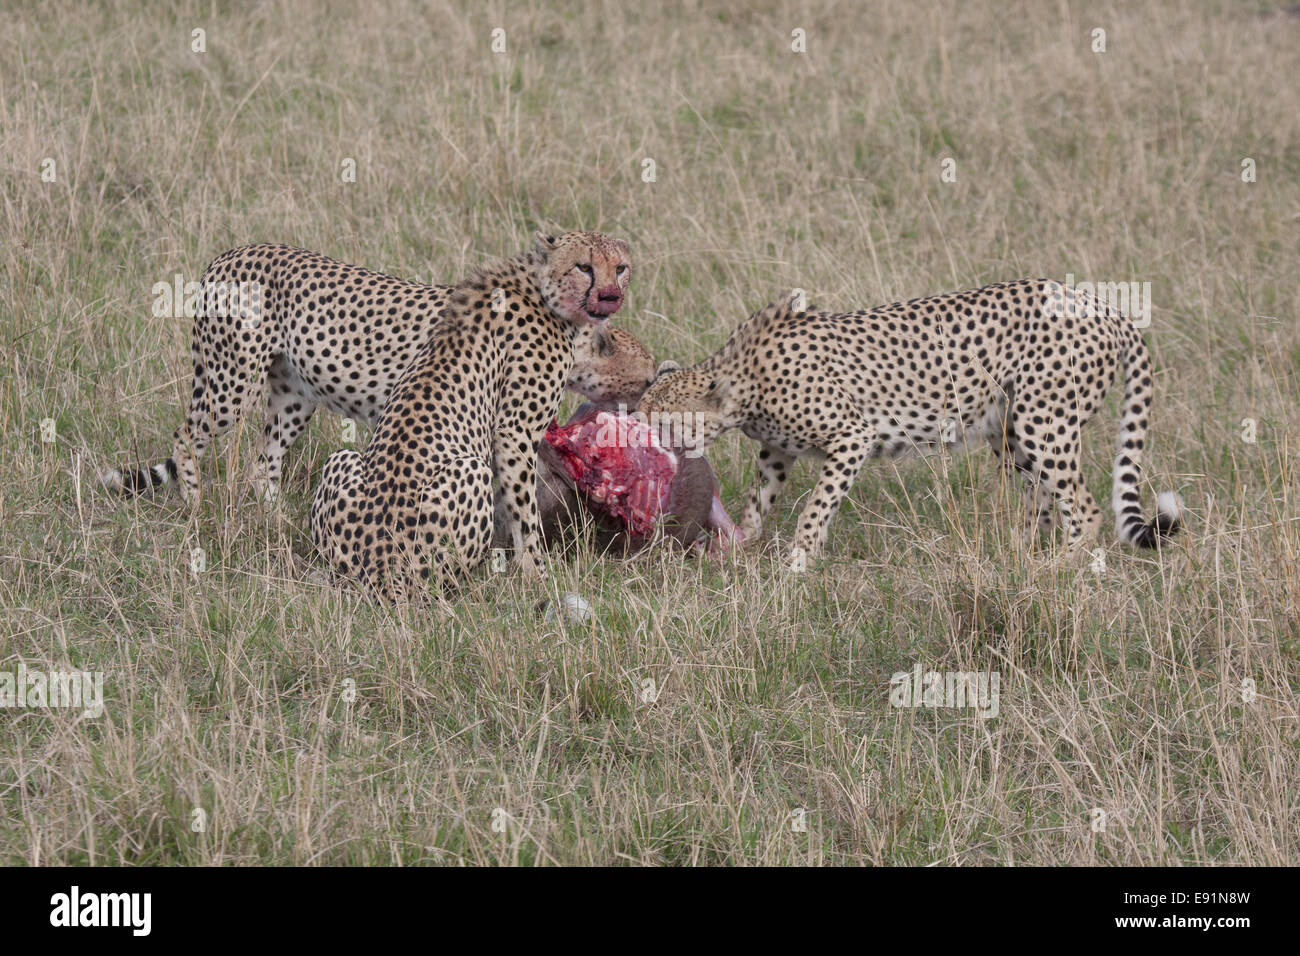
(844, 460)
(773, 469)
(515, 453)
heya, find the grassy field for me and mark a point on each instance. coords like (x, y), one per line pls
(708, 712)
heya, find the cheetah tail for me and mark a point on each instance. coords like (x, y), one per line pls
(138, 481)
(1129, 524)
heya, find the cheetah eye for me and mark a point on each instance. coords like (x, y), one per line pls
(621, 269)
(584, 267)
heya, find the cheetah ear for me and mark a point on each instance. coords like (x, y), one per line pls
(717, 394)
(666, 366)
(545, 241)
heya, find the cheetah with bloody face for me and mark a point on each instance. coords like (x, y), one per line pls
(1021, 365)
(313, 332)
(473, 405)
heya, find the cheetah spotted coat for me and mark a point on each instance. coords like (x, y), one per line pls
(474, 403)
(322, 333)
(1020, 365)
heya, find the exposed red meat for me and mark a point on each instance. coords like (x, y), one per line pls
(616, 461)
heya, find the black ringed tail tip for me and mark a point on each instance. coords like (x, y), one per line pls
(138, 481)
(1167, 522)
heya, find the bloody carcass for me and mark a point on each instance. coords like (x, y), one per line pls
(613, 467)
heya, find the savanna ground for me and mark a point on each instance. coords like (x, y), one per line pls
(482, 734)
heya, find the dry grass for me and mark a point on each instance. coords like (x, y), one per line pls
(226, 691)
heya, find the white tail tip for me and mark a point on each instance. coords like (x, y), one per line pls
(1169, 505)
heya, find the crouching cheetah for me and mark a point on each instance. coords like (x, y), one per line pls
(301, 327)
(610, 365)
(474, 403)
(1021, 365)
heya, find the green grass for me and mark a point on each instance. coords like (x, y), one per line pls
(480, 732)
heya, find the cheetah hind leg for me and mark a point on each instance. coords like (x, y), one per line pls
(288, 413)
(453, 533)
(1040, 521)
(1041, 509)
(1039, 503)
(1061, 488)
(333, 506)
(222, 395)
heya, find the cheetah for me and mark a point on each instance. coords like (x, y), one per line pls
(417, 503)
(1020, 365)
(610, 365)
(317, 332)
(308, 331)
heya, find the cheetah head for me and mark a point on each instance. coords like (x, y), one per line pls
(583, 275)
(689, 407)
(610, 365)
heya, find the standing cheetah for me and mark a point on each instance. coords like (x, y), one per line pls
(314, 332)
(474, 403)
(318, 332)
(1021, 365)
